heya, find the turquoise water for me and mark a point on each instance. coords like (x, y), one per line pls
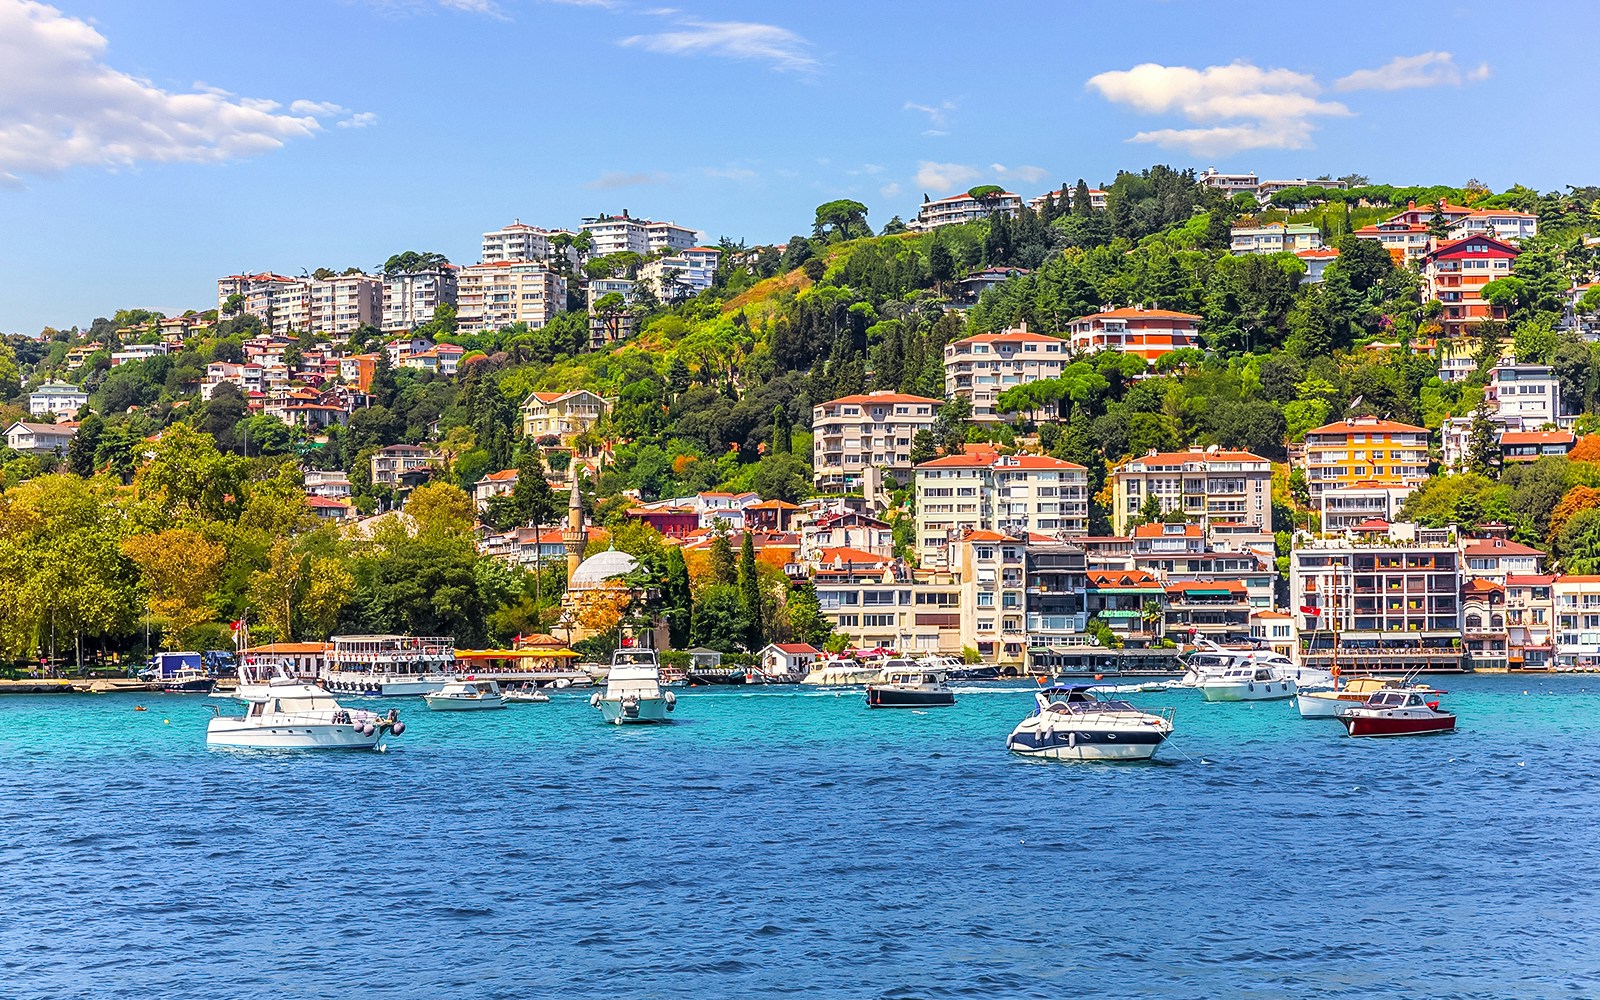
(780, 842)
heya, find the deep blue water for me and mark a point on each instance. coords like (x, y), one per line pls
(796, 843)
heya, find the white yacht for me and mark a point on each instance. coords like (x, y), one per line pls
(465, 695)
(288, 714)
(527, 694)
(1213, 661)
(1073, 723)
(633, 689)
(389, 666)
(1258, 682)
(840, 673)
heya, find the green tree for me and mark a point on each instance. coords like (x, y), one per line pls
(842, 219)
(750, 593)
(85, 444)
(723, 569)
(677, 603)
(719, 619)
(806, 621)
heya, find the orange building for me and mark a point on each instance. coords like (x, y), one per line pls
(1149, 333)
(1455, 274)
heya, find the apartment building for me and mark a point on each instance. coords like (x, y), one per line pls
(518, 241)
(561, 415)
(392, 466)
(1149, 333)
(1392, 594)
(1275, 630)
(1407, 242)
(853, 434)
(1345, 507)
(1530, 446)
(56, 399)
(1055, 597)
(1205, 485)
(1214, 610)
(610, 234)
(1498, 559)
(410, 297)
(1131, 602)
(682, 275)
(248, 378)
(1097, 199)
(1577, 620)
(1528, 394)
(1316, 262)
(1530, 622)
(878, 601)
(981, 367)
(1254, 570)
(1275, 237)
(336, 305)
(1365, 450)
(1249, 183)
(1020, 495)
(956, 209)
(992, 569)
(494, 296)
(1454, 274)
(1503, 224)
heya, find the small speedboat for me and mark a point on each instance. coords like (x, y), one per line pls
(839, 673)
(1249, 683)
(188, 680)
(633, 689)
(524, 696)
(1397, 713)
(291, 715)
(465, 695)
(1073, 723)
(914, 687)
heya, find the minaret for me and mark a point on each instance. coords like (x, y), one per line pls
(574, 537)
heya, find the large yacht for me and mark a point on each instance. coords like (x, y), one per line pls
(1073, 723)
(1260, 682)
(1213, 661)
(389, 666)
(286, 714)
(633, 689)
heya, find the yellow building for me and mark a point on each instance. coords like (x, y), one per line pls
(562, 415)
(1365, 450)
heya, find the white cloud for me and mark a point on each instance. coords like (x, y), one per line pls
(61, 106)
(938, 114)
(784, 49)
(890, 190)
(945, 177)
(614, 179)
(360, 119)
(1274, 108)
(488, 7)
(1429, 69)
(1031, 175)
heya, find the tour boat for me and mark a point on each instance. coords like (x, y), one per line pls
(913, 687)
(1212, 661)
(1248, 683)
(1330, 704)
(465, 695)
(292, 715)
(389, 666)
(1073, 723)
(1397, 713)
(633, 689)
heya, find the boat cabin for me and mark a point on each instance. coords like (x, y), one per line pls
(1399, 699)
(1077, 698)
(915, 677)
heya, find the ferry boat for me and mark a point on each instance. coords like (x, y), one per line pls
(911, 687)
(389, 666)
(292, 715)
(1073, 723)
(1397, 713)
(633, 689)
(467, 694)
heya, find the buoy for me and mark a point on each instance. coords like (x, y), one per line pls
(166, 722)
(399, 727)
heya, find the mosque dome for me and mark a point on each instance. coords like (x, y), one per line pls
(594, 571)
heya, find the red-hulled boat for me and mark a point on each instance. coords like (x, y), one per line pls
(1397, 713)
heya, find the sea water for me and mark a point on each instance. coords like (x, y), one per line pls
(790, 841)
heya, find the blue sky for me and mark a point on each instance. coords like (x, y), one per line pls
(146, 148)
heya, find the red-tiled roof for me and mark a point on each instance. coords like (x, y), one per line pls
(849, 555)
(867, 399)
(984, 535)
(793, 648)
(1159, 530)
(1367, 425)
(1195, 455)
(1121, 578)
(1498, 547)
(1537, 437)
(1231, 586)
(1131, 313)
(1026, 336)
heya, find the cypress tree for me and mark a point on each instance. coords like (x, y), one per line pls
(750, 593)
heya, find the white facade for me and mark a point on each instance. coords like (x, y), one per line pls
(1213, 484)
(56, 399)
(618, 233)
(137, 352)
(955, 210)
(982, 367)
(871, 431)
(492, 296)
(1347, 506)
(40, 439)
(1577, 621)
(1017, 495)
(1275, 237)
(1530, 393)
(410, 297)
(335, 305)
(682, 275)
(518, 241)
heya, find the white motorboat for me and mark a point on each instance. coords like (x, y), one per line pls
(292, 715)
(1073, 723)
(914, 687)
(1249, 683)
(525, 695)
(465, 695)
(1332, 703)
(840, 673)
(1213, 661)
(633, 691)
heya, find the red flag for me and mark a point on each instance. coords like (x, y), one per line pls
(1310, 611)
(236, 626)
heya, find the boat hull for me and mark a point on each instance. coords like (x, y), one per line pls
(190, 687)
(1123, 744)
(231, 733)
(627, 712)
(1319, 706)
(1380, 725)
(891, 698)
(437, 704)
(380, 686)
(1248, 690)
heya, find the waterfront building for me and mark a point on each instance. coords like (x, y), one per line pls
(1577, 619)
(960, 208)
(878, 601)
(1483, 624)
(1530, 622)
(1205, 485)
(410, 297)
(792, 659)
(867, 431)
(1148, 333)
(1364, 450)
(1255, 571)
(1055, 599)
(1131, 602)
(981, 367)
(56, 399)
(1274, 630)
(496, 295)
(1215, 610)
(991, 568)
(1393, 595)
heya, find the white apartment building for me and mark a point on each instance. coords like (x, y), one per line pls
(1275, 237)
(138, 352)
(410, 297)
(1348, 506)
(247, 377)
(335, 305)
(610, 234)
(1577, 619)
(492, 296)
(1097, 199)
(56, 399)
(981, 367)
(1498, 559)
(1529, 393)
(1530, 622)
(956, 209)
(869, 431)
(1017, 495)
(992, 569)
(682, 275)
(518, 241)
(1205, 485)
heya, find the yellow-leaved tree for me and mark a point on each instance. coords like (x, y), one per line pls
(180, 568)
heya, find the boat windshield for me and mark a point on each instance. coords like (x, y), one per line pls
(1388, 699)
